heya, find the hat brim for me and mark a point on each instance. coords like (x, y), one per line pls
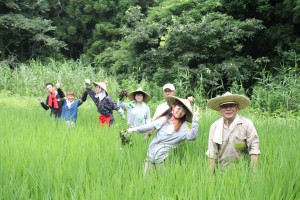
(189, 114)
(146, 98)
(241, 100)
(102, 85)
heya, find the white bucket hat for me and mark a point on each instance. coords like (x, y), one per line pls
(227, 98)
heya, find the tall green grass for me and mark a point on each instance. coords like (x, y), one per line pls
(42, 159)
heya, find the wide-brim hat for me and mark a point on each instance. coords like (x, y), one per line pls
(241, 100)
(189, 114)
(103, 85)
(146, 98)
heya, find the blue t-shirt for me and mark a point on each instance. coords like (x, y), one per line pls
(70, 114)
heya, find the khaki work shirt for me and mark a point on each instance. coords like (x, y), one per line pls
(242, 137)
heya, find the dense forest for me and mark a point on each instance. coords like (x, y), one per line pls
(204, 45)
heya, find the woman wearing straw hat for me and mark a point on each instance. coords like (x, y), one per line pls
(168, 90)
(104, 103)
(232, 134)
(172, 128)
(138, 113)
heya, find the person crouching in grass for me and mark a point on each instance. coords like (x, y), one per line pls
(70, 108)
(172, 128)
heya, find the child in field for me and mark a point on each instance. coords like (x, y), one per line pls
(172, 129)
(138, 113)
(231, 135)
(70, 108)
(103, 102)
(53, 100)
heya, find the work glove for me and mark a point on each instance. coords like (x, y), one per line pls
(87, 83)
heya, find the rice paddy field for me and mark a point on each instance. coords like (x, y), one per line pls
(43, 159)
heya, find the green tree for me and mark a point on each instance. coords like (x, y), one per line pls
(191, 35)
(24, 33)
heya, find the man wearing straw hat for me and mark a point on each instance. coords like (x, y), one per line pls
(104, 103)
(138, 113)
(232, 134)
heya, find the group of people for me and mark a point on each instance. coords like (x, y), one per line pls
(229, 137)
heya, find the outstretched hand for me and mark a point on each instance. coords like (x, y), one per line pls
(196, 113)
(130, 131)
(39, 99)
(87, 83)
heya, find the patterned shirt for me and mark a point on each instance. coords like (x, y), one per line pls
(106, 105)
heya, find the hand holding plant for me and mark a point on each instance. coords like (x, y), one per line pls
(122, 95)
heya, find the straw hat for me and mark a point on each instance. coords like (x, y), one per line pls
(227, 98)
(103, 85)
(189, 114)
(146, 98)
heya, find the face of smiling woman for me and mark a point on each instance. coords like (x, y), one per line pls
(179, 111)
(139, 97)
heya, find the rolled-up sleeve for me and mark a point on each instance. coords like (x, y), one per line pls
(252, 139)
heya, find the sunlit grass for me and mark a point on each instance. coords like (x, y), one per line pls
(43, 159)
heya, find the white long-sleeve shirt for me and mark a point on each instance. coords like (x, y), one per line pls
(166, 137)
(137, 114)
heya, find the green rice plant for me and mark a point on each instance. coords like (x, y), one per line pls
(41, 158)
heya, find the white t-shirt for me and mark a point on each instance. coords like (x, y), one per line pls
(160, 110)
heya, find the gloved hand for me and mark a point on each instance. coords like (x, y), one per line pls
(87, 81)
(196, 114)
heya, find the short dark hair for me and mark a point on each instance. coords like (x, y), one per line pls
(49, 84)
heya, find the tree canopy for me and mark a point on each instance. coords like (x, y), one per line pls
(200, 44)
